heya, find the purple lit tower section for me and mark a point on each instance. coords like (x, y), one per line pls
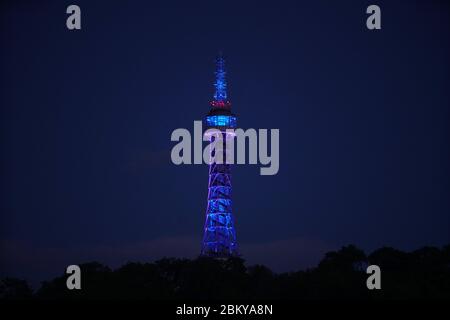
(219, 239)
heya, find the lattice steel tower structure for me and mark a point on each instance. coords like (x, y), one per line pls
(219, 239)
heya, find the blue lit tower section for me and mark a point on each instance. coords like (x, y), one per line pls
(219, 239)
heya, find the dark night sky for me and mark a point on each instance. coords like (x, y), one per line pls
(87, 117)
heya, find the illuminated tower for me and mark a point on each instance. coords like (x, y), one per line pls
(219, 239)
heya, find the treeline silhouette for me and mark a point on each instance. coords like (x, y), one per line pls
(424, 273)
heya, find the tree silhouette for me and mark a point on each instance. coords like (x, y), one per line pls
(423, 273)
(13, 289)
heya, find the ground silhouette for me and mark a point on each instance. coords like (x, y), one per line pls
(424, 273)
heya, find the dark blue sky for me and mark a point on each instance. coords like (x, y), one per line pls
(87, 117)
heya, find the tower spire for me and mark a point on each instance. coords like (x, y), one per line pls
(220, 84)
(221, 81)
